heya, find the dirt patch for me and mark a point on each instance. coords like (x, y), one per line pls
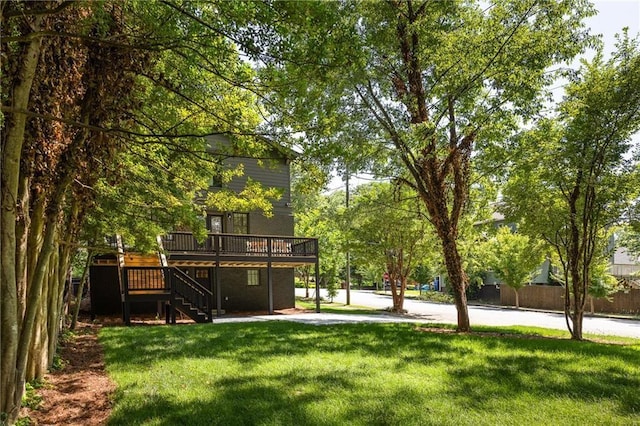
(81, 392)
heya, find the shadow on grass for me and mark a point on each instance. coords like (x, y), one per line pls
(245, 342)
(547, 368)
(476, 371)
(235, 404)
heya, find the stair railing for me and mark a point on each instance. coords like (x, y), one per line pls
(191, 291)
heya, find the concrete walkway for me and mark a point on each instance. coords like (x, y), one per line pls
(425, 312)
(322, 318)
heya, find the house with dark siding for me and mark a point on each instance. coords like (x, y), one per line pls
(245, 263)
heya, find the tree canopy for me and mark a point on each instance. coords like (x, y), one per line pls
(106, 106)
(514, 258)
(572, 178)
(427, 86)
(387, 228)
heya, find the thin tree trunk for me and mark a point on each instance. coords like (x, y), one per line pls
(23, 231)
(83, 280)
(577, 317)
(458, 282)
(517, 299)
(37, 287)
(34, 244)
(37, 359)
(10, 384)
(56, 293)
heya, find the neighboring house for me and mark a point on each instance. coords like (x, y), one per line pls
(625, 267)
(245, 263)
(622, 265)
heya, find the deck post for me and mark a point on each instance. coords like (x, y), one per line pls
(216, 247)
(210, 297)
(317, 276)
(269, 276)
(167, 274)
(172, 297)
(270, 287)
(126, 309)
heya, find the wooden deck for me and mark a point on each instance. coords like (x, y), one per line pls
(158, 277)
(234, 250)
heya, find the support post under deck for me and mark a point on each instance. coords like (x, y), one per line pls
(270, 275)
(216, 247)
(317, 272)
(270, 287)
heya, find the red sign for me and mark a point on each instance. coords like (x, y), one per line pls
(385, 276)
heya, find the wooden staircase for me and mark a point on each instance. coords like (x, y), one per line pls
(189, 310)
(191, 298)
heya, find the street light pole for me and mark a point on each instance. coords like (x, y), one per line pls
(348, 254)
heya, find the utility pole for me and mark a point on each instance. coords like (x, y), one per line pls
(348, 254)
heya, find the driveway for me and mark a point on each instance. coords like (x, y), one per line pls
(420, 311)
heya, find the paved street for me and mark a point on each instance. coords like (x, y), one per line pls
(483, 315)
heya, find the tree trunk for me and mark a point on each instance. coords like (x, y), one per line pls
(458, 282)
(577, 318)
(38, 286)
(23, 233)
(36, 365)
(56, 292)
(517, 299)
(83, 280)
(10, 385)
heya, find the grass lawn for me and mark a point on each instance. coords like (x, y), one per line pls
(282, 373)
(335, 307)
(430, 296)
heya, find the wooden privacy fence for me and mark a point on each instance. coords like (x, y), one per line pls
(552, 298)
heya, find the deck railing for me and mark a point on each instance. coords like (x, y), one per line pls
(145, 279)
(191, 291)
(237, 244)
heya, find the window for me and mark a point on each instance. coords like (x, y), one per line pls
(202, 273)
(253, 277)
(215, 181)
(241, 223)
(214, 224)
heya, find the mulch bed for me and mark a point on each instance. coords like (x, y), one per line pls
(81, 392)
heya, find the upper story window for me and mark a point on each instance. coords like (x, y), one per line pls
(215, 181)
(240, 223)
(214, 223)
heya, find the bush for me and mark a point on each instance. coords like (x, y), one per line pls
(30, 398)
(436, 296)
(332, 290)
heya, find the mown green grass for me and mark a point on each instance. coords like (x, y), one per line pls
(335, 307)
(429, 296)
(282, 373)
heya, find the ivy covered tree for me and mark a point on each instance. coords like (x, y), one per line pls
(572, 177)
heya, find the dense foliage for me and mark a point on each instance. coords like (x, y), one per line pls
(577, 170)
